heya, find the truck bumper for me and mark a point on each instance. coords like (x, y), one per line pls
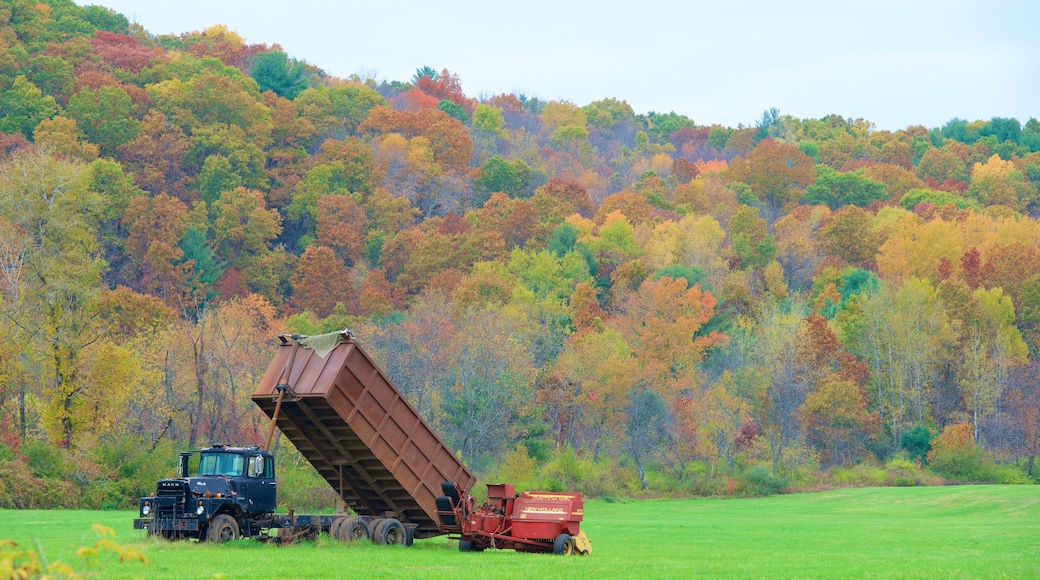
(166, 524)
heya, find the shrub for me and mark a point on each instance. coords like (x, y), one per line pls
(799, 466)
(567, 470)
(862, 475)
(955, 454)
(697, 479)
(129, 469)
(520, 469)
(9, 439)
(1008, 474)
(902, 472)
(46, 460)
(761, 481)
(19, 489)
(6, 499)
(300, 486)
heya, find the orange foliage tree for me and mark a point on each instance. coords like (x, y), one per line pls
(955, 453)
(449, 139)
(776, 172)
(661, 322)
(321, 280)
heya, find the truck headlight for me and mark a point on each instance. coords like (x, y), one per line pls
(200, 510)
(147, 509)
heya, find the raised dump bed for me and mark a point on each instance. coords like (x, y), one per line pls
(358, 431)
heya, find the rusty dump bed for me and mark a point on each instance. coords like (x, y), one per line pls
(359, 432)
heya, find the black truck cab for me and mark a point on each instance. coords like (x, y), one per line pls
(233, 489)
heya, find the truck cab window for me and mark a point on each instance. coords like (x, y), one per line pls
(227, 464)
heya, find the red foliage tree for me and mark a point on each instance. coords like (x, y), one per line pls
(684, 170)
(453, 224)
(446, 86)
(123, 52)
(971, 266)
(11, 143)
(375, 298)
(341, 226)
(821, 354)
(414, 99)
(94, 80)
(321, 280)
(560, 198)
(515, 219)
(690, 142)
(508, 103)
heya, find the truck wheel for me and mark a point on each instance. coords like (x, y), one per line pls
(222, 528)
(564, 545)
(387, 531)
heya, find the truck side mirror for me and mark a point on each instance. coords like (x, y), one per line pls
(256, 466)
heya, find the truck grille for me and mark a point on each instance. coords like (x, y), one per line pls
(170, 493)
(168, 487)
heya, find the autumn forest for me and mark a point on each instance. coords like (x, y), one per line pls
(575, 296)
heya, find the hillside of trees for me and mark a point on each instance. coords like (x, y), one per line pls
(575, 296)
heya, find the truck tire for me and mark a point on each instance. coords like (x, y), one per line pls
(387, 531)
(222, 528)
(564, 545)
(351, 530)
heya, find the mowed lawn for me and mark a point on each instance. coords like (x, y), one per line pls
(934, 532)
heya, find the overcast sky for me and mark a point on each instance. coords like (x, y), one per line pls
(896, 63)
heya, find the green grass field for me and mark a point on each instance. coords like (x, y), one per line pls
(928, 532)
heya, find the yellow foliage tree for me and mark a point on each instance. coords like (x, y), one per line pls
(998, 182)
(602, 365)
(720, 414)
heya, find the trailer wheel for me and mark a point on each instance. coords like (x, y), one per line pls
(470, 546)
(388, 531)
(334, 528)
(222, 529)
(564, 545)
(351, 530)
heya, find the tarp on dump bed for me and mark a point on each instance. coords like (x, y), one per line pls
(358, 431)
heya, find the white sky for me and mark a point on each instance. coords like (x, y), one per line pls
(893, 62)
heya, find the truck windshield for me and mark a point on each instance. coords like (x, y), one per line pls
(229, 464)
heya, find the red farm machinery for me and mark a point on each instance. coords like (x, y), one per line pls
(527, 522)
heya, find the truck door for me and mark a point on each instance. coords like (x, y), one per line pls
(262, 489)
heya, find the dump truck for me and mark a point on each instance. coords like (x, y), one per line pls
(396, 480)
